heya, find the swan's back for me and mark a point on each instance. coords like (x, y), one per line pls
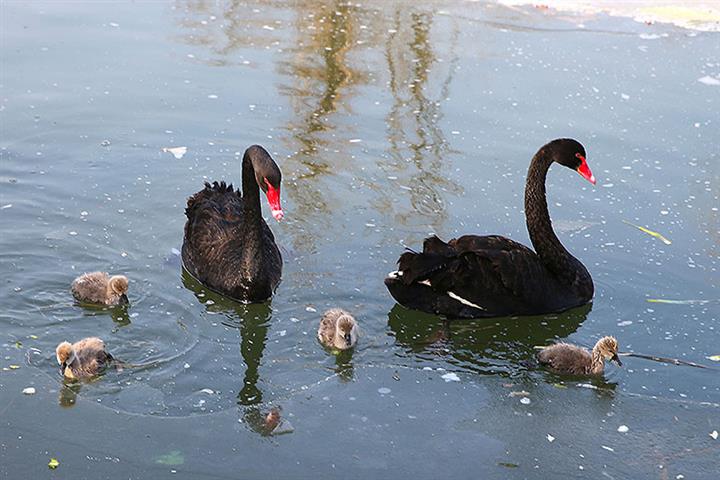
(221, 251)
(477, 276)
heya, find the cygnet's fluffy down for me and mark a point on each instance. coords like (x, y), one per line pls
(338, 329)
(100, 288)
(82, 359)
(574, 360)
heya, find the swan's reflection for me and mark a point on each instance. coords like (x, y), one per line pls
(252, 321)
(502, 346)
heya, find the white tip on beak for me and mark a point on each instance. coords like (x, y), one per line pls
(278, 215)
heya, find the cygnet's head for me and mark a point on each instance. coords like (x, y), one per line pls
(608, 348)
(65, 355)
(346, 333)
(119, 286)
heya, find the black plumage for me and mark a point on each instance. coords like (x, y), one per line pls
(487, 276)
(228, 247)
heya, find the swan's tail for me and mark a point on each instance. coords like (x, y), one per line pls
(415, 267)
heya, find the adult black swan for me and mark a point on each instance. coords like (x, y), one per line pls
(473, 276)
(228, 247)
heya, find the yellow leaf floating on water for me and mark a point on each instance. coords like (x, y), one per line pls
(677, 302)
(14, 367)
(53, 464)
(714, 358)
(650, 232)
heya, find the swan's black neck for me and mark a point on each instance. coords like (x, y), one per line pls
(552, 253)
(252, 214)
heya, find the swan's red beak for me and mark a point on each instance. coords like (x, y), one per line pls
(584, 170)
(273, 196)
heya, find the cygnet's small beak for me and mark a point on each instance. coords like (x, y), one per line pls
(63, 365)
(616, 359)
(348, 339)
(124, 300)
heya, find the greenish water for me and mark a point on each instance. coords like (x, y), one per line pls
(390, 121)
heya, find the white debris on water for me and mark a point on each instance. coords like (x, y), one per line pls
(31, 391)
(207, 390)
(624, 323)
(623, 429)
(178, 152)
(450, 377)
(708, 80)
(310, 309)
(550, 438)
(384, 390)
(609, 449)
(525, 401)
(714, 434)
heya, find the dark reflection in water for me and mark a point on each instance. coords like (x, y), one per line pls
(417, 142)
(68, 393)
(343, 366)
(252, 320)
(502, 346)
(120, 314)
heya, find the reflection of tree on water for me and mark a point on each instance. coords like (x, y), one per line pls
(415, 137)
(320, 79)
(252, 321)
(502, 346)
(224, 28)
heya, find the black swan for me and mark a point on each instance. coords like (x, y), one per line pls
(228, 247)
(574, 360)
(473, 276)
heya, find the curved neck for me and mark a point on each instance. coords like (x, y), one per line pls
(250, 191)
(546, 244)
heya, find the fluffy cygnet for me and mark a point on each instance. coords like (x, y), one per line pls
(82, 359)
(338, 329)
(574, 360)
(100, 288)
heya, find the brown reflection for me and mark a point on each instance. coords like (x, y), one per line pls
(418, 148)
(320, 83)
(224, 28)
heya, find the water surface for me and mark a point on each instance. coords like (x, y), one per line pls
(390, 122)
